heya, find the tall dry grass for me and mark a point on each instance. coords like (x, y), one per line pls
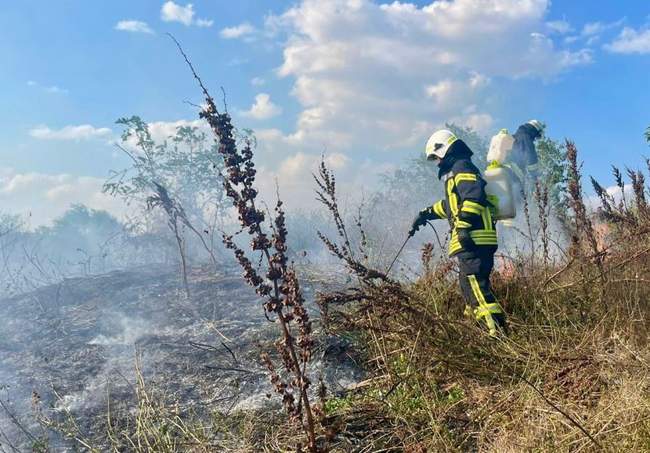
(573, 375)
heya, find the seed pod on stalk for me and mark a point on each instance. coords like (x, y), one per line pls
(280, 286)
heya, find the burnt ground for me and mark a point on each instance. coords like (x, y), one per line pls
(74, 345)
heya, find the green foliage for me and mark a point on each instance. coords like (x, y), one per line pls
(81, 221)
(10, 224)
(333, 405)
(552, 168)
(647, 134)
(418, 182)
(476, 142)
(186, 164)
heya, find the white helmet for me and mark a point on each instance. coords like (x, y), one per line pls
(439, 143)
(537, 125)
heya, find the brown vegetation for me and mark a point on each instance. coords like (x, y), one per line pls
(572, 376)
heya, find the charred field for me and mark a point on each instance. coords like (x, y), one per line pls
(76, 350)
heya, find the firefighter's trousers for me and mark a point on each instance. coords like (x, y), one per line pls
(475, 268)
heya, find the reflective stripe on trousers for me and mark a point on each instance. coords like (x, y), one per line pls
(474, 278)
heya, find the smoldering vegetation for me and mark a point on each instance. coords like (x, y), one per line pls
(113, 330)
(210, 322)
(75, 350)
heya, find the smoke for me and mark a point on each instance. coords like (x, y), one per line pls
(88, 294)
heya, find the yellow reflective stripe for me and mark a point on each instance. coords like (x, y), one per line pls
(474, 208)
(463, 224)
(482, 211)
(476, 289)
(483, 233)
(483, 310)
(452, 198)
(480, 237)
(470, 209)
(438, 209)
(485, 242)
(488, 220)
(451, 139)
(473, 205)
(468, 177)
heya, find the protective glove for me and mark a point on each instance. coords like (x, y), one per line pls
(420, 220)
(465, 239)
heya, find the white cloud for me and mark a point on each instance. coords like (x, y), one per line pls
(173, 12)
(134, 26)
(372, 76)
(559, 26)
(44, 197)
(238, 31)
(263, 108)
(592, 32)
(448, 94)
(631, 41)
(294, 178)
(257, 81)
(163, 130)
(204, 23)
(593, 202)
(49, 89)
(593, 28)
(56, 89)
(480, 122)
(76, 133)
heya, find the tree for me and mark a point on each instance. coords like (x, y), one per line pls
(408, 189)
(12, 228)
(417, 182)
(552, 168)
(81, 237)
(184, 170)
(476, 142)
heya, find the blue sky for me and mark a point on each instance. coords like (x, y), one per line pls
(365, 81)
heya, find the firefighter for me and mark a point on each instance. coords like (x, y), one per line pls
(523, 157)
(473, 230)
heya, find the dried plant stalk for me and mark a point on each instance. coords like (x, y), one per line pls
(279, 285)
(584, 229)
(541, 197)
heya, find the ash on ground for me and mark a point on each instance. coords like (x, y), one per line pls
(73, 349)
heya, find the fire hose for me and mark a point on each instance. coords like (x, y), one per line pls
(404, 245)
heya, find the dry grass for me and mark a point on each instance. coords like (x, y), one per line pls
(572, 376)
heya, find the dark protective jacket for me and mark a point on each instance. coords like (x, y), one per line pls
(524, 155)
(465, 205)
